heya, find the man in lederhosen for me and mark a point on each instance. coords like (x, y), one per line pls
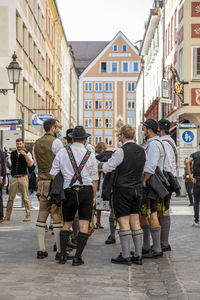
(170, 165)
(79, 169)
(129, 161)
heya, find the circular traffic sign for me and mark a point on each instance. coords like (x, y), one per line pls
(188, 136)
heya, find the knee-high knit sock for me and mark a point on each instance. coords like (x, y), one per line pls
(40, 229)
(125, 236)
(138, 242)
(64, 238)
(81, 243)
(155, 234)
(165, 223)
(112, 227)
(146, 237)
(56, 229)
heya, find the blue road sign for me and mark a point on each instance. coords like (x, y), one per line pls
(10, 122)
(38, 119)
(188, 136)
(13, 127)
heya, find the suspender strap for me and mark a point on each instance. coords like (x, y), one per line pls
(77, 170)
(174, 149)
(163, 150)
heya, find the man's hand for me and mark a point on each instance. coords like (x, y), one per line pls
(94, 201)
(144, 184)
(193, 179)
(23, 152)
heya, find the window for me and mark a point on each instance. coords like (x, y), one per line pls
(181, 64)
(108, 104)
(131, 121)
(88, 104)
(135, 67)
(125, 67)
(98, 104)
(115, 48)
(98, 86)
(114, 67)
(89, 140)
(103, 67)
(98, 123)
(131, 86)
(109, 141)
(196, 62)
(131, 104)
(108, 86)
(124, 48)
(88, 123)
(108, 123)
(88, 86)
(98, 139)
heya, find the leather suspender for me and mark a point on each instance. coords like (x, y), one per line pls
(77, 169)
(174, 149)
(163, 150)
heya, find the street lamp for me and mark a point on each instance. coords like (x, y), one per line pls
(14, 71)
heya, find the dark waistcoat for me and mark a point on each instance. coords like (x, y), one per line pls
(19, 164)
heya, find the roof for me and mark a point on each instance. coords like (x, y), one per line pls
(86, 52)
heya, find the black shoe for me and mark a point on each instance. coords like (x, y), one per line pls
(69, 257)
(54, 247)
(62, 259)
(136, 260)
(191, 204)
(152, 254)
(166, 248)
(110, 240)
(71, 245)
(57, 257)
(145, 251)
(41, 254)
(120, 260)
(77, 261)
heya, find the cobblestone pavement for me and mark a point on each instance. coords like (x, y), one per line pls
(175, 276)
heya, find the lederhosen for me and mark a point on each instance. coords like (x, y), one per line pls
(77, 196)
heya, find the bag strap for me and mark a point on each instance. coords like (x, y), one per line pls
(163, 150)
(174, 149)
(77, 169)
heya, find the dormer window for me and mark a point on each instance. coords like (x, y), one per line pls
(124, 48)
(115, 48)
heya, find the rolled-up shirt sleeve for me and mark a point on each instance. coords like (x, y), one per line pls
(56, 146)
(55, 169)
(94, 173)
(115, 160)
(153, 158)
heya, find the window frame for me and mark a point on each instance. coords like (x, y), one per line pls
(195, 76)
(110, 123)
(108, 105)
(123, 48)
(136, 62)
(131, 83)
(110, 84)
(103, 62)
(115, 45)
(89, 125)
(98, 84)
(89, 101)
(131, 102)
(108, 137)
(89, 85)
(99, 102)
(125, 62)
(98, 119)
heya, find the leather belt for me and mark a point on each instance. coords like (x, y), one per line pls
(18, 176)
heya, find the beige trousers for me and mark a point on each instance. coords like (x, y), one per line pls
(18, 184)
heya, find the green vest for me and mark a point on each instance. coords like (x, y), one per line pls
(44, 156)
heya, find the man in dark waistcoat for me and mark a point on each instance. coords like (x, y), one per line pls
(20, 161)
(129, 161)
(2, 178)
(44, 152)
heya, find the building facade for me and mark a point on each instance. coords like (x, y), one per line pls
(107, 97)
(33, 29)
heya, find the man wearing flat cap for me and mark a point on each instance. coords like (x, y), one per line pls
(155, 158)
(169, 167)
(79, 169)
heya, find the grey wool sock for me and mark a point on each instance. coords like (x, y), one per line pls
(138, 241)
(165, 223)
(155, 234)
(125, 242)
(146, 237)
(56, 229)
(112, 227)
(40, 229)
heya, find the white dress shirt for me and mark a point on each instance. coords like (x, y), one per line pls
(170, 159)
(57, 145)
(155, 155)
(29, 155)
(115, 160)
(62, 163)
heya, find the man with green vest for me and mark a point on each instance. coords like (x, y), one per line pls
(44, 152)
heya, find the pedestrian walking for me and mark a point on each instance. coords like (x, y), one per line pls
(129, 161)
(44, 152)
(188, 182)
(79, 170)
(170, 167)
(155, 159)
(194, 159)
(2, 179)
(20, 161)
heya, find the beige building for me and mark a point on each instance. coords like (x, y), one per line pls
(34, 30)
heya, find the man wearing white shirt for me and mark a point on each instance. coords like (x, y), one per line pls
(170, 166)
(129, 161)
(79, 169)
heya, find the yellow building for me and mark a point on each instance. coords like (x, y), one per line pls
(107, 97)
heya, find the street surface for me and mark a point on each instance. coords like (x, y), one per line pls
(175, 276)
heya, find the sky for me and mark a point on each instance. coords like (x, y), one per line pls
(101, 20)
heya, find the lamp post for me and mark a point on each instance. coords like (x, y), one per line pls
(14, 71)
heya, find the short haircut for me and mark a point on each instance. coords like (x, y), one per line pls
(48, 124)
(128, 131)
(19, 140)
(100, 147)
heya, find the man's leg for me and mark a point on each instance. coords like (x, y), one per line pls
(146, 234)
(137, 235)
(23, 184)
(12, 193)
(1, 204)
(82, 238)
(196, 193)
(165, 223)
(64, 238)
